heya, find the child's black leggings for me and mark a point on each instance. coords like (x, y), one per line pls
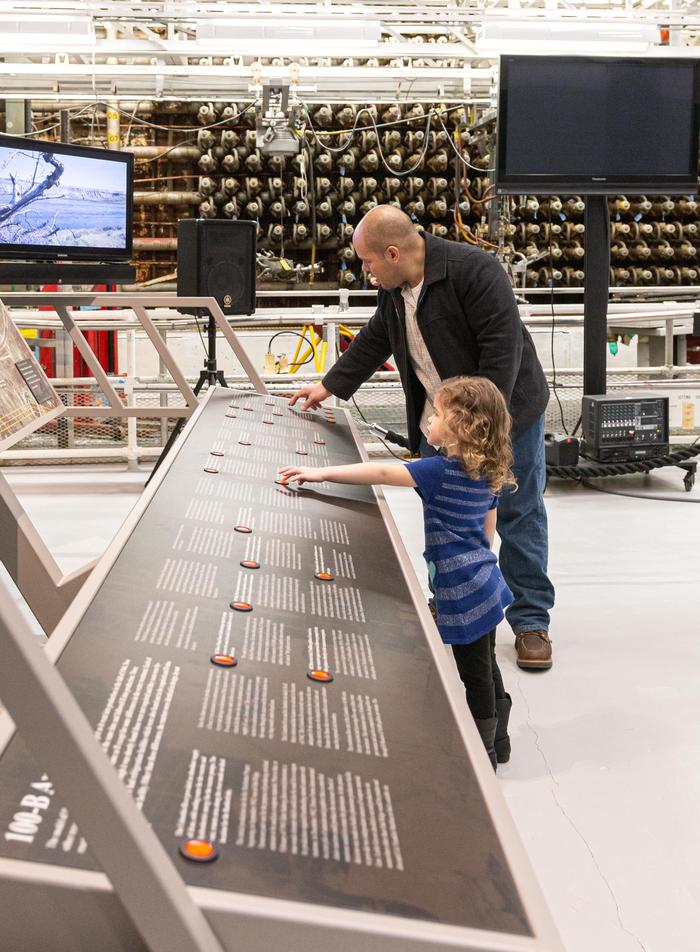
(480, 675)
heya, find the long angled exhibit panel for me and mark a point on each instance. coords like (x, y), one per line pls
(259, 665)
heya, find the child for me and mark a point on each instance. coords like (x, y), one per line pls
(471, 426)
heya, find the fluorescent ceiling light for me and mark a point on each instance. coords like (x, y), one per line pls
(562, 36)
(302, 31)
(30, 32)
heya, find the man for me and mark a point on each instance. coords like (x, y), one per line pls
(447, 309)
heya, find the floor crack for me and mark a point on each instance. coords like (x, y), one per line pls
(570, 821)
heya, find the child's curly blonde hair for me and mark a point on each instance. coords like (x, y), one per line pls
(477, 418)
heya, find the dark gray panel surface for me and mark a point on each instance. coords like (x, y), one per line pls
(357, 793)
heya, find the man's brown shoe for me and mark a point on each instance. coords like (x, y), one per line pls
(534, 649)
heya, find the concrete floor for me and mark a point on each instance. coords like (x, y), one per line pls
(604, 779)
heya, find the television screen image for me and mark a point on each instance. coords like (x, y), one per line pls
(596, 125)
(60, 201)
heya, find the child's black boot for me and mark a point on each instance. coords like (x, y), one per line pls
(502, 740)
(487, 731)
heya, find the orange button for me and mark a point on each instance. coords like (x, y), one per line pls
(242, 529)
(249, 564)
(277, 413)
(270, 422)
(245, 443)
(242, 606)
(234, 406)
(320, 442)
(199, 851)
(316, 674)
(231, 416)
(224, 660)
(210, 469)
(324, 576)
(215, 453)
(302, 453)
(249, 409)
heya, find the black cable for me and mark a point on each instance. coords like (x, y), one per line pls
(311, 189)
(551, 304)
(211, 125)
(366, 421)
(618, 492)
(296, 334)
(199, 329)
(593, 469)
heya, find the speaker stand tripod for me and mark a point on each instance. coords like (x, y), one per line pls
(209, 375)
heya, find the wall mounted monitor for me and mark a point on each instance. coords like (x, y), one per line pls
(597, 125)
(64, 202)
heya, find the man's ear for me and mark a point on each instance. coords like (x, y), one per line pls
(393, 253)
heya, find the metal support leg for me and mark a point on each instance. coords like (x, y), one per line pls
(595, 294)
(57, 732)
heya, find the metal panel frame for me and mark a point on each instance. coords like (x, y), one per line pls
(31, 566)
(137, 303)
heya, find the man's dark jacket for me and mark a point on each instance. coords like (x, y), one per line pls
(469, 320)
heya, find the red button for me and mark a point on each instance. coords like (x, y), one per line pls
(234, 406)
(245, 443)
(249, 564)
(320, 442)
(242, 529)
(231, 416)
(210, 469)
(269, 403)
(224, 660)
(324, 576)
(302, 453)
(281, 482)
(268, 421)
(277, 413)
(249, 409)
(215, 453)
(242, 606)
(199, 851)
(316, 674)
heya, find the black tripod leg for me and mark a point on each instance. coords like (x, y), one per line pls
(177, 429)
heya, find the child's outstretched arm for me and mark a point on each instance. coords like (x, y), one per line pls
(359, 474)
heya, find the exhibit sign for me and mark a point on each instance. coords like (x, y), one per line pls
(27, 399)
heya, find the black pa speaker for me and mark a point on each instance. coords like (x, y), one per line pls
(216, 258)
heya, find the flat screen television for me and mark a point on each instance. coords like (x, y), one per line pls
(597, 125)
(64, 202)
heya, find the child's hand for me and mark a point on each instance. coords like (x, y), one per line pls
(302, 474)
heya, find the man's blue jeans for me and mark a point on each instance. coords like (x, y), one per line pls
(522, 526)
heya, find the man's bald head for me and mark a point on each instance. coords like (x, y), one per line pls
(386, 225)
(390, 248)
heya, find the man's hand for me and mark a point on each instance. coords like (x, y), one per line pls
(302, 474)
(312, 395)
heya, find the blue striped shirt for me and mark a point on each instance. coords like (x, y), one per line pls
(470, 592)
